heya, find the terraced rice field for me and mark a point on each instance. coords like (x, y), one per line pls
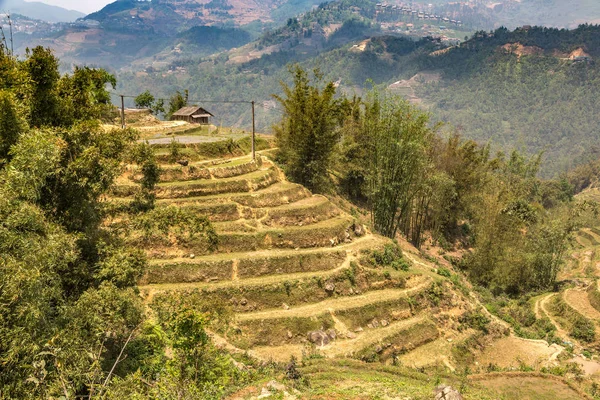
(288, 264)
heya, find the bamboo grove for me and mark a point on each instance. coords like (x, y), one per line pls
(425, 182)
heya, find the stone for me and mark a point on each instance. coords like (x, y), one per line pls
(192, 256)
(243, 302)
(384, 322)
(290, 334)
(375, 323)
(183, 163)
(444, 392)
(358, 230)
(240, 366)
(334, 241)
(331, 333)
(265, 393)
(275, 386)
(359, 329)
(319, 338)
(330, 287)
(285, 306)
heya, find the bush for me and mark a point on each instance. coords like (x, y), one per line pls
(444, 272)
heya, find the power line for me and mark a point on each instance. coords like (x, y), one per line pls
(123, 96)
(190, 100)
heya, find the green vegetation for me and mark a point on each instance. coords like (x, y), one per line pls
(82, 207)
(72, 321)
(413, 181)
(579, 327)
(307, 134)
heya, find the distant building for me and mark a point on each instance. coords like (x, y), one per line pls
(193, 115)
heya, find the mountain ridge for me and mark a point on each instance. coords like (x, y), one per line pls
(41, 11)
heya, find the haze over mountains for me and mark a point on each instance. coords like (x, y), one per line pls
(40, 11)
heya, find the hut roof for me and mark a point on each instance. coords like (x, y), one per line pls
(193, 111)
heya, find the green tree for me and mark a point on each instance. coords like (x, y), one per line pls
(42, 66)
(399, 135)
(308, 132)
(12, 124)
(144, 100)
(176, 102)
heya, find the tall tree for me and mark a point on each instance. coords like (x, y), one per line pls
(308, 132)
(400, 136)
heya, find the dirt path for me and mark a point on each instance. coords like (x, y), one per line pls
(542, 306)
(536, 309)
(332, 305)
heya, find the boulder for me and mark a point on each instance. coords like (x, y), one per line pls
(358, 230)
(444, 392)
(322, 338)
(183, 163)
(330, 287)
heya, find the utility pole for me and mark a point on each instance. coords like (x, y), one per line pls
(253, 134)
(12, 50)
(122, 112)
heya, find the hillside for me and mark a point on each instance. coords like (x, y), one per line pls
(183, 265)
(130, 32)
(295, 274)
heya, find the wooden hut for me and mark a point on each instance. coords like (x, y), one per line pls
(193, 115)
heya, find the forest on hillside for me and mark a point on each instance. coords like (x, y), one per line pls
(539, 102)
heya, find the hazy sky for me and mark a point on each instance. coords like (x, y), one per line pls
(85, 6)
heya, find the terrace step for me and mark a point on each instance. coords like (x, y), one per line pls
(383, 298)
(321, 234)
(253, 181)
(327, 233)
(278, 194)
(306, 211)
(241, 266)
(346, 347)
(181, 269)
(244, 183)
(294, 289)
(194, 171)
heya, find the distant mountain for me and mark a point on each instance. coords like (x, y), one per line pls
(534, 89)
(128, 33)
(40, 11)
(172, 16)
